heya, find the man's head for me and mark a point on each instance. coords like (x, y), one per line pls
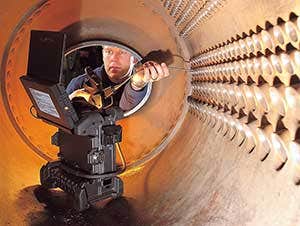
(116, 62)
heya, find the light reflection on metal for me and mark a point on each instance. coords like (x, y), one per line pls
(188, 12)
(250, 139)
(294, 149)
(132, 171)
(277, 106)
(246, 88)
(278, 36)
(168, 4)
(282, 66)
(280, 151)
(292, 116)
(178, 8)
(204, 13)
(263, 144)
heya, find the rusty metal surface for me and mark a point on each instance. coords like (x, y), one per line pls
(234, 159)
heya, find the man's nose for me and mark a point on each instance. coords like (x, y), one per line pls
(115, 55)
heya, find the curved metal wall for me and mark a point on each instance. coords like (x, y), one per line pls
(226, 155)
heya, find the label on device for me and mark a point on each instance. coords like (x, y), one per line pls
(44, 102)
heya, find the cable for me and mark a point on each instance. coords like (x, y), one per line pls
(122, 158)
(129, 72)
(179, 68)
(181, 57)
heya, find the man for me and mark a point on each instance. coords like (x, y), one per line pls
(116, 65)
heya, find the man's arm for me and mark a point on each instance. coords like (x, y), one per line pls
(131, 98)
(75, 84)
(136, 89)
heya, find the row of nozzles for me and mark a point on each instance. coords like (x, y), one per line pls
(249, 137)
(175, 6)
(278, 36)
(209, 8)
(282, 66)
(190, 13)
(278, 107)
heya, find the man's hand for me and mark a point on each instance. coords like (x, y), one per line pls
(95, 100)
(80, 93)
(151, 72)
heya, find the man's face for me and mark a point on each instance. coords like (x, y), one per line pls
(116, 62)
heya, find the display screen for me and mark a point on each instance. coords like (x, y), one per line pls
(44, 102)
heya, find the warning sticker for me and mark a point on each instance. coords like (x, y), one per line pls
(44, 102)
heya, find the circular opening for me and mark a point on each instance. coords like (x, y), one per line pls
(164, 112)
(89, 53)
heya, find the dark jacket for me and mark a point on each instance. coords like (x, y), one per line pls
(126, 97)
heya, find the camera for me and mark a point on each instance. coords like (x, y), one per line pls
(86, 166)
